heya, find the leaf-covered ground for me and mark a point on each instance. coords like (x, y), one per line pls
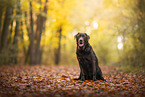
(37, 81)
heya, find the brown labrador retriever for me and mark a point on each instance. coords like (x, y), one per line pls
(87, 59)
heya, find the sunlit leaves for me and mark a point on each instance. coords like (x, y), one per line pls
(25, 5)
(59, 12)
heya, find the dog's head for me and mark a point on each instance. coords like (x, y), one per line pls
(82, 39)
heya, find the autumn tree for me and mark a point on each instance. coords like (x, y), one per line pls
(5, 20)
(35, 35)
(5, 29)
(60, 11)
(41, 19)
(17, 31)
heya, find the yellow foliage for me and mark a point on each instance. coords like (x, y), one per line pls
(112, 18)
(25, 5)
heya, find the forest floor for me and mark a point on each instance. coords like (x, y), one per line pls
(57, 81)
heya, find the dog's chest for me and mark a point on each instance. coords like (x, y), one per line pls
(85, 58)
(85, 61)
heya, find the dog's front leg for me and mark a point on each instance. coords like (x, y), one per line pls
(94, 66)
(82, 74)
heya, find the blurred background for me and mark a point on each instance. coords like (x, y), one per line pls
(42, 31)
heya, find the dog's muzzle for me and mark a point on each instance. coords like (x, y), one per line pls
(81, 42)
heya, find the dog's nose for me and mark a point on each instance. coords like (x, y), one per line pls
(81, 39)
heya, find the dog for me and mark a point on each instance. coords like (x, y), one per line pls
(88, 61)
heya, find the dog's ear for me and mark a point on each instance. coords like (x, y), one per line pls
(88, 37)
(76, 35)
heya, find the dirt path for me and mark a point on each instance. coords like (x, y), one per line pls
(37, 81)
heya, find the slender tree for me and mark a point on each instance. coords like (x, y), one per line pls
(1, 13)
(17, 30)
(31, 38)
(5, 30)
(27, 54)
(40, 29)
(58, 50)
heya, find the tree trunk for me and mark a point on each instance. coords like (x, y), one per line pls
(27, 55)
(40, 28)
(22, 37)
(10, 36)
(15, 43)
(58, 50)
(38, 37)
(31, 38)
(1, 14)
(5, 31)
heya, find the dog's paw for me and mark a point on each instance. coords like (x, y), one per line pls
(83, 78)
(94, 79)
(105, 80)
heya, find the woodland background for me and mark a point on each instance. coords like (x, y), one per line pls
(38, 49)
(42, 31)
